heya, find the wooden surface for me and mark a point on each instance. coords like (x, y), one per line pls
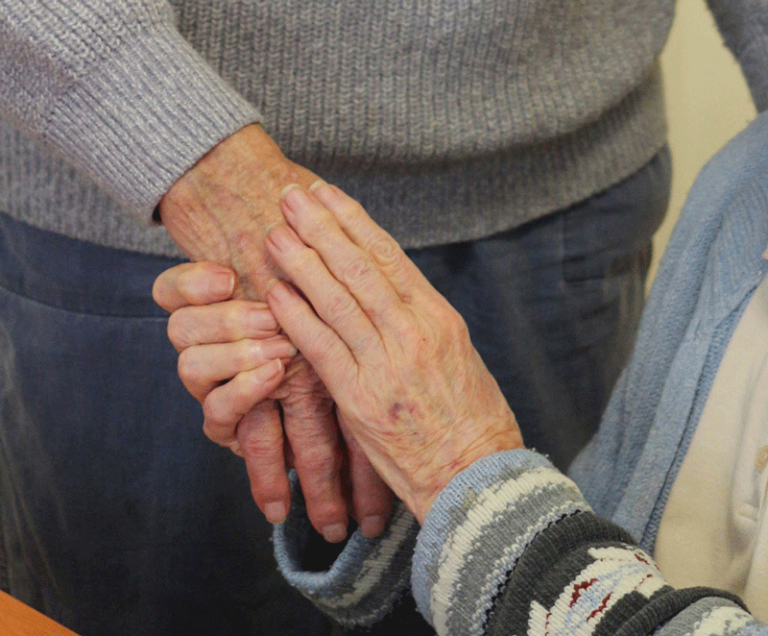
(17, 619)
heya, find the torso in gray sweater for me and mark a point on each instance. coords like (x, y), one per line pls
(448, 119)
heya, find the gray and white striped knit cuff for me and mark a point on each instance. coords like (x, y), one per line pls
(368, 580)
(476, 531)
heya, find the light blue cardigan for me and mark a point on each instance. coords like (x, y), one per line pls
(712, 266)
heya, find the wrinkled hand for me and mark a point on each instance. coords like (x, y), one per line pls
(233, 361)
(395, 356)
(220, 211)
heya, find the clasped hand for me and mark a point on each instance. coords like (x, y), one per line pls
(410, 393)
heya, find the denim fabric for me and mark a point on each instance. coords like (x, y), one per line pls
(553, 306)
(118, 515)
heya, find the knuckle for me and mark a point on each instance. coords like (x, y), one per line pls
(357, 271)
(386, 252)
(341, 305)
(212, 416)
(216, 431)
(187, 368)
(246, 353)
(320, 460)
(178, 329)
(230, 321)
(353, 207)
(159, 292)
(265, 449)
(455, 326)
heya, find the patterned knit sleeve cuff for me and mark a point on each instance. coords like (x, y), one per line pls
(478, 528)
(366, 583)
(138, 120)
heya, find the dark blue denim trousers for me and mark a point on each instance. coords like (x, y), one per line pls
(117, 516)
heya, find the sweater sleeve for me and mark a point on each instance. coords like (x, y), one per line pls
(511, 547)
(114, 88)
(366, 586)
(744, 27)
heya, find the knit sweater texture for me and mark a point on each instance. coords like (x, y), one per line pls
(512, 546)
(448, 119)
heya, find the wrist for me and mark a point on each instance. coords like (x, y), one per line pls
(499, 441)
(222, 208)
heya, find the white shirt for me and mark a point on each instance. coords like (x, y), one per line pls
(713, 531)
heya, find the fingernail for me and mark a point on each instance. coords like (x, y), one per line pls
(283, 237)
(267, 371)
(280, 291)
(275, 512)
(222, 283)
(335, 533)
(317, 184)
(275, 349)
(287, 189)
(270, 283)
(296, 199)
(372, 526)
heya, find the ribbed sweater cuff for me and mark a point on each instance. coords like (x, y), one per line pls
(145, 115)
(367, 581)
(478, 528)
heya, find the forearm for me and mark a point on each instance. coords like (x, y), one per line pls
(116, 90)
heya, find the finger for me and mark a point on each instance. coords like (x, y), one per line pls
(204, 367)
(352, 266)
(372, 499)
(310, 426)
(260, 438)
(226, 405)
(221, 322)
(330, 299)
(391, 260)
(193, 284)
(319, 343)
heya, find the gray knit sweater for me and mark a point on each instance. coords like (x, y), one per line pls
(448, 119)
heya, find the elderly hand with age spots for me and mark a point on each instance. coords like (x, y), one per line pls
(234, 360)
(220, 210)
(408, 385)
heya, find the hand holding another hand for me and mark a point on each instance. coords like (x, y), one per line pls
(233, 360)
(409, 388)
(395, 356)
(221, 210)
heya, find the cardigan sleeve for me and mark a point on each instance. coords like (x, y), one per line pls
(744, 27)
(510, 547)
(113, 87)
(366, 586)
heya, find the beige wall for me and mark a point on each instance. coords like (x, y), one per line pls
(707, 101)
